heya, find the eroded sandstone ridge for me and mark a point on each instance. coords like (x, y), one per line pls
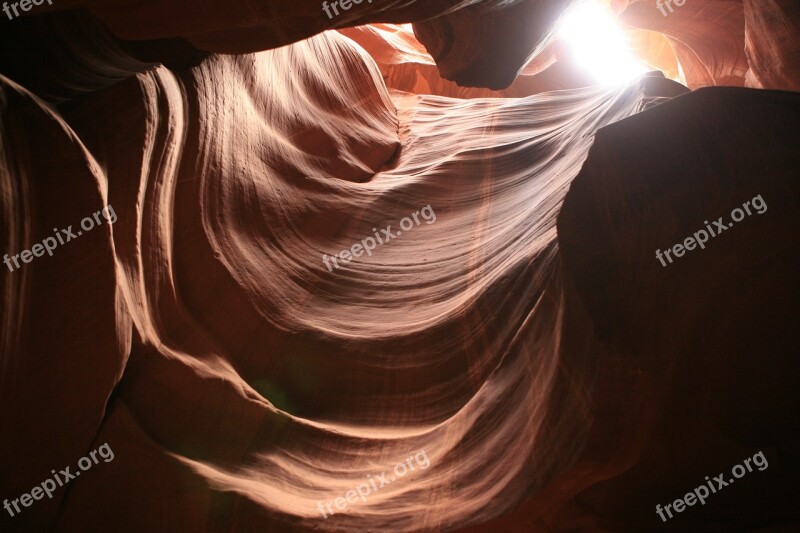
(524, 338)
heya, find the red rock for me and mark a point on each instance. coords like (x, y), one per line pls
(527, 340)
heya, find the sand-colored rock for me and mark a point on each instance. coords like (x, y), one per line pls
(527, 340)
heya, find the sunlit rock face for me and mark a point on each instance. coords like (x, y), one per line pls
(499, 323)
(707, 38)
(772, 45)
(406, 66)
(723, 42)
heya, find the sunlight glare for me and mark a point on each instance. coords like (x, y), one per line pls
(598, 44)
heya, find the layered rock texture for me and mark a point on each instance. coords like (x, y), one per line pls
(518, 333)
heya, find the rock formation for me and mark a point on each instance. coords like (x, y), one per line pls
(518, 332)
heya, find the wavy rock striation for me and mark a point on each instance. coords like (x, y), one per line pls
(540, 357)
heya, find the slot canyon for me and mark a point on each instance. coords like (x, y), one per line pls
(400, 266)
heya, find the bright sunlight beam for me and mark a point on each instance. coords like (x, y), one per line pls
(598, 44)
